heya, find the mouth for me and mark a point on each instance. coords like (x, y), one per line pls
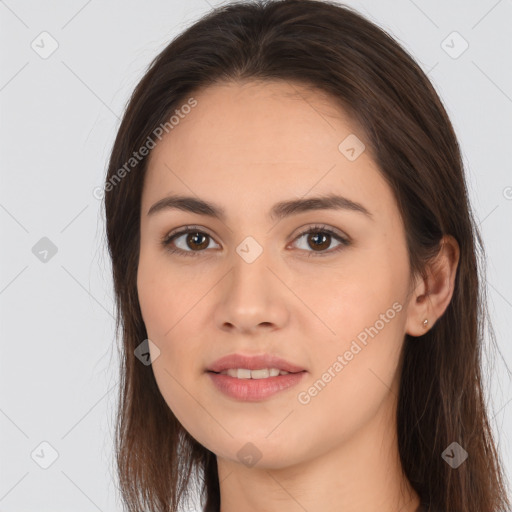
(245, 373)
(246, 385)
(261, 366)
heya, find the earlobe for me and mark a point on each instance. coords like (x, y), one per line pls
(434, 292)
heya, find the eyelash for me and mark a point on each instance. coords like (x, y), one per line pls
(317, 229)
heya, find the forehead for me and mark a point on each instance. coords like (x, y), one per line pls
(261, 122)
(259, 141)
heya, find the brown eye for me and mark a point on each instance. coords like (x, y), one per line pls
(189, 242)
(193, 240)
(319, 239)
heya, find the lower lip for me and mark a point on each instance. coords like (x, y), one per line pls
(252, 390)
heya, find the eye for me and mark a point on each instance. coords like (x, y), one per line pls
(193, 237)
(320, 238)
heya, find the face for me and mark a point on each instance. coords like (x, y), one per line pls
(325, 289)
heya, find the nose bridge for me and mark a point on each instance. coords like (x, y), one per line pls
(252, 295)
(250, 277)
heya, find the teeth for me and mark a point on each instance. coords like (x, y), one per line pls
(243, 373)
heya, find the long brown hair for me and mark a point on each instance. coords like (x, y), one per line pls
(332, 48)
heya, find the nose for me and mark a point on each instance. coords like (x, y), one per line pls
(253, 298)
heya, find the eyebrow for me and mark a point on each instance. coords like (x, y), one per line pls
(279, 210)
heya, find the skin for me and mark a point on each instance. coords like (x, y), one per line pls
(245, 147)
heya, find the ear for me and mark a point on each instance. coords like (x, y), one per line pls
(433, 292)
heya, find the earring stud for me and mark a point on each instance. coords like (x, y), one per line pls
(425, 322)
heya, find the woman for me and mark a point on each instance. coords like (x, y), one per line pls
(294, 262)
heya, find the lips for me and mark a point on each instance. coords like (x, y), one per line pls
(253, 363)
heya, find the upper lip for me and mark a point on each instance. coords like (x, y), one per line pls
(253, 363)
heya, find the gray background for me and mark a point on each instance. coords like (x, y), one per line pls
(59, 115)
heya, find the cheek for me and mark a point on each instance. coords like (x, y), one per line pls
(356, 360)
(351, 297)
(160, 313)
(170, 299)
(352, 379)
(169, 327)
(162, 296)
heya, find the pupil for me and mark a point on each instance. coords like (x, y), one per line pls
(321, 245)
(193, 238)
